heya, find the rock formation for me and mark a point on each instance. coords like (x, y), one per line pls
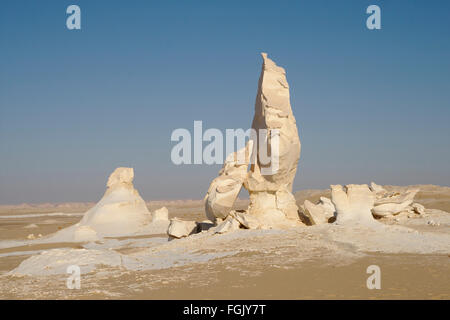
(353, 204)
(269, 182)
(319, 213)
(121, 212)
(179, 228)
(224, 189)
(393, 203)
(273, 153)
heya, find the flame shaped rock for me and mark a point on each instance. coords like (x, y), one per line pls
(274, 166)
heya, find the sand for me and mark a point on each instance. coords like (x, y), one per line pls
(319, 262)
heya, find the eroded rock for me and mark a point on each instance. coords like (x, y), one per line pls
(272, 173)
(224, 190)
(353, 203)
(179, 228)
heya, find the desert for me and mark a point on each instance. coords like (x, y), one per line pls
(273, 244)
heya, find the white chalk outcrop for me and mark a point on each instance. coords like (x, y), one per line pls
(388, 204)
(273, 153)
(180, 229)
(319, 213)
(121, 212)
(224, 189)
(353, 204)
(56, 261)
(269, 181)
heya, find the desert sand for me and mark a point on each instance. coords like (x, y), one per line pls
(307, 262)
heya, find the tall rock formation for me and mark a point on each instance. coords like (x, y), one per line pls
(269, 181)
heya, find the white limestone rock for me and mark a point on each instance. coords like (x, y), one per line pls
(397, 197)
(85, 233)
(161, 214)
(388, 204)
(388, 209)
(353, 204)
(321, 212)
(224, 190)
(379, 190)
(230, 224)
(269, 181)
(56, 261)
(179, 228)
(418, 208)
(121, 212)
(246, 220)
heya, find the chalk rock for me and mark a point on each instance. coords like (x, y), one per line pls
(121, 176)
(56, 261)
(230, 224)
(418, 208)
(397, 197)
(179, 228)
(85, 233)
(248, 221)
(121, 212)
(387, 209)
(353, 204)
(379, 190)
(31, 236)
(319, 213)
(224, 190)
(277, 150)
(205, 225)
(161, 214)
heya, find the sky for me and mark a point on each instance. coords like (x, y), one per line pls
(370, 105)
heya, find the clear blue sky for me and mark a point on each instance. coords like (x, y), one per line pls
(74, 105)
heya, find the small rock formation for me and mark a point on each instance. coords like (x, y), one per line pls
(387, 209)
(161, 214)
(353, 204)
(388, 204)
(269, 182)
(230, 224)
(246, 221)
(321, 212)
(121, 212)
(418, 208)
(224, 189)
(379, 190)
(179, 228)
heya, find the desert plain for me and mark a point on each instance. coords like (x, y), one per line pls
(305, 262)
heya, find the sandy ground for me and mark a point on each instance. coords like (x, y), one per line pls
(319, 262)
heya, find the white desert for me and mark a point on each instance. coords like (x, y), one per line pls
(278, 244)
